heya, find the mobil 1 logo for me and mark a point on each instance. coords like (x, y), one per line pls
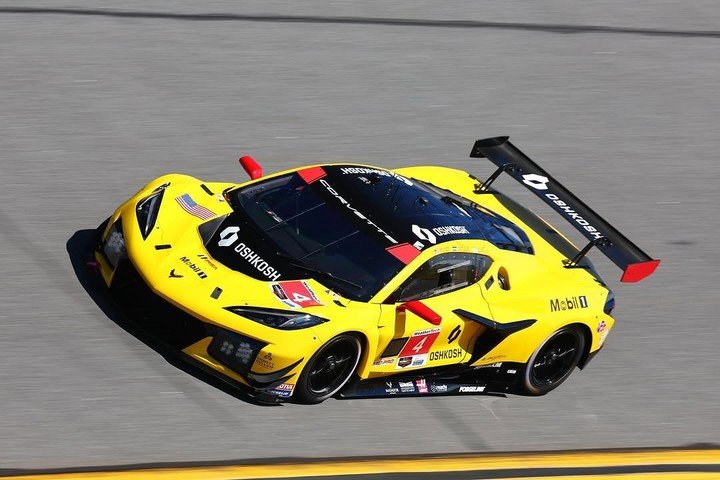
(568, 303)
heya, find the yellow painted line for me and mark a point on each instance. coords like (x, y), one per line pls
(631, 476)
(453, 463)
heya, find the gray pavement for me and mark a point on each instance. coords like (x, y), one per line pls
(94, 106)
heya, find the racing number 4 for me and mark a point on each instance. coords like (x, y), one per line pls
(299, 298)
(419, 345)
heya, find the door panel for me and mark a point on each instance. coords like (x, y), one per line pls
(408, 342)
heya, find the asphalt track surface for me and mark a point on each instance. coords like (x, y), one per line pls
(93, 104)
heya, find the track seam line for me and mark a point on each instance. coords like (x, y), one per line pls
(350, 20)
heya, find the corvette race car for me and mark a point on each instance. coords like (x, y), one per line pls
(352, 281)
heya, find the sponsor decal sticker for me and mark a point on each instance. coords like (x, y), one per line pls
(283, 390)
(495, 357)
(404, 362)
(424, 234)
(188, 204)
(198, 271)
(603, 336)
(383, 361)
(419, 361)
(411, 361)
(295, 294)
(449, 354)
(431, 235)
(229, 236)
(455, 333)
(342, 200)
(265, 360)
(492, 365)
(421, 385)
(207, 260)
(539, 182)
(441, 388)
(603, 330)
(406, 387)
(471, 389)
(420, 342)
(370, 171)
(390, 389)
(568, 303)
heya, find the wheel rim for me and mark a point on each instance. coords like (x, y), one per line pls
(556, 358)
(333, 366)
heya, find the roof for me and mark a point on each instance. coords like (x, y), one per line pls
(414, 211)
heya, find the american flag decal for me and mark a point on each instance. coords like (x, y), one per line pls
(189, 205)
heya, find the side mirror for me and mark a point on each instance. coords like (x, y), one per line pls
(421, 310)
(253, 168)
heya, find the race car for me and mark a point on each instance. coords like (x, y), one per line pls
(354, 281)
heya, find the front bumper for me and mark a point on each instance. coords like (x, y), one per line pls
(189, 339)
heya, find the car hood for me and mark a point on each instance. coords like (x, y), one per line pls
(203, 255)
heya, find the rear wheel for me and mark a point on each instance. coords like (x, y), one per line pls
(554, 361)
(329, 369)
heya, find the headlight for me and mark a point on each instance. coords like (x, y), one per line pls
(147, 210)
(114, 247)
(282, 319)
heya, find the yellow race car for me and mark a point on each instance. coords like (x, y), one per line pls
(353, 281)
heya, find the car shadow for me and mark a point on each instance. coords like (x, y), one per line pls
(78, 247)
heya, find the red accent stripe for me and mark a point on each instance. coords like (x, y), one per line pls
(637, 271)
(312, 174)
(404, 252)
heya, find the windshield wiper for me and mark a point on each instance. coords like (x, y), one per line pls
(319, 273)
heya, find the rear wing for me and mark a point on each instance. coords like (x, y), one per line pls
(635, 263)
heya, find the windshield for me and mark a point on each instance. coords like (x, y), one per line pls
(321, 233)
(346, 220)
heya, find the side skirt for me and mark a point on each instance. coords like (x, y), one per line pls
(498, 379)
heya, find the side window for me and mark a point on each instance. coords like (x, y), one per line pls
(441, 274)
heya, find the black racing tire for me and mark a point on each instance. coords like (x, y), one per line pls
(553, 361)
(329, 369)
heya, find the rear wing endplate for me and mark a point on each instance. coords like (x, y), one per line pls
(635, 263)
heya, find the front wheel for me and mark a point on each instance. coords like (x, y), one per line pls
(329, 369)
(553, 362)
